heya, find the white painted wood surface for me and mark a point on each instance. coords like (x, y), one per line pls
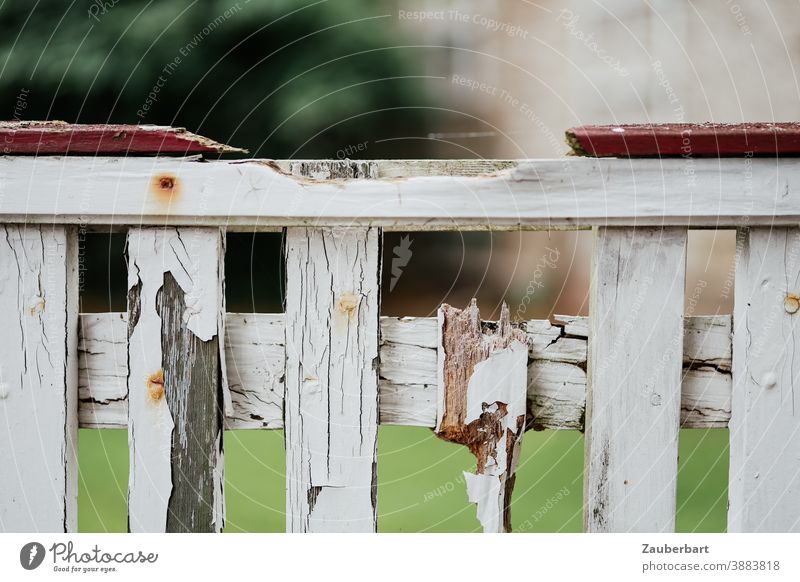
(248, 194)
(38, 379)
(255, 352)
(764, 474)
(331, 399)
(634, 379)
(192, 256)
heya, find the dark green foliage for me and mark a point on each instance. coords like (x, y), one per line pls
(279, 77)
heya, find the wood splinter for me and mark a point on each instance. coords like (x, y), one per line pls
(482, 389)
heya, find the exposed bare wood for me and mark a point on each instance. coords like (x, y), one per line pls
(176, 400)
(38, 379)
(254, 348)
(562, 193)
(481, 404)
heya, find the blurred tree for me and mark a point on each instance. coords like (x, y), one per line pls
(283, 78)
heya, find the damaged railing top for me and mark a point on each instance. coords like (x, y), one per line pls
(248, 195)
(113, 187)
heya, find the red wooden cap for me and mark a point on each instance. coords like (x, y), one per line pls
(722, 140)
(58, 138)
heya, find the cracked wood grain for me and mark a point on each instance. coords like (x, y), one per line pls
(176, 380)
(331, 383)
(38, 379)
(255, 356)
(481, 404)
(634, 379)
(331, 399)
(764, 474)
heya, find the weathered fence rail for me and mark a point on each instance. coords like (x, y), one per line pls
(256, 361)
(176, 370)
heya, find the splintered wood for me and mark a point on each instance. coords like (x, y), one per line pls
(482, 395)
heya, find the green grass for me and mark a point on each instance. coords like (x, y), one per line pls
(420, 482)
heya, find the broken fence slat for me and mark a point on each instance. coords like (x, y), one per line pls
(39, 379)
(634, 379)
(764, 475)
(481, 404)
(176, 407)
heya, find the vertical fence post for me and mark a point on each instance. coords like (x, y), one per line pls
(175, 379)
(331, 402)
(634, 379)
(764, 475)
(38, 379)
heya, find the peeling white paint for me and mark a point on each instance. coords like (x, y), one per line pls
(192, 257)
(331, 400)
(256, 358)
(38, 379)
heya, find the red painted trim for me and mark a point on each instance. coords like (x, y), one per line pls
(58, 138)
(684, 139)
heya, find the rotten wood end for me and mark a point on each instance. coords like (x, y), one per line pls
(482, 399)
(724, 140)
(60, 138)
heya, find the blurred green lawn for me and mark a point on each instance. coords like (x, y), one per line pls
(420, 482)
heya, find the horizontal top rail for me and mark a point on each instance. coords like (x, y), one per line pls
(251, 195)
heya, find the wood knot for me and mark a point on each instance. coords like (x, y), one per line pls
(791, 303)
(166, 186)
(155, 385)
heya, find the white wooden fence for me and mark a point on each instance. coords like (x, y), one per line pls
(176, 369)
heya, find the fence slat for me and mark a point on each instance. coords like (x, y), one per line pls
(634, 379)
(331, 402)
(38, 379)
(175, 307)
(764, 482)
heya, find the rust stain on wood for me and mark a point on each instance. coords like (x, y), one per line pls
(36, 305)
(155, 385)
(348, 303)
(166, 187)
(791, 303)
